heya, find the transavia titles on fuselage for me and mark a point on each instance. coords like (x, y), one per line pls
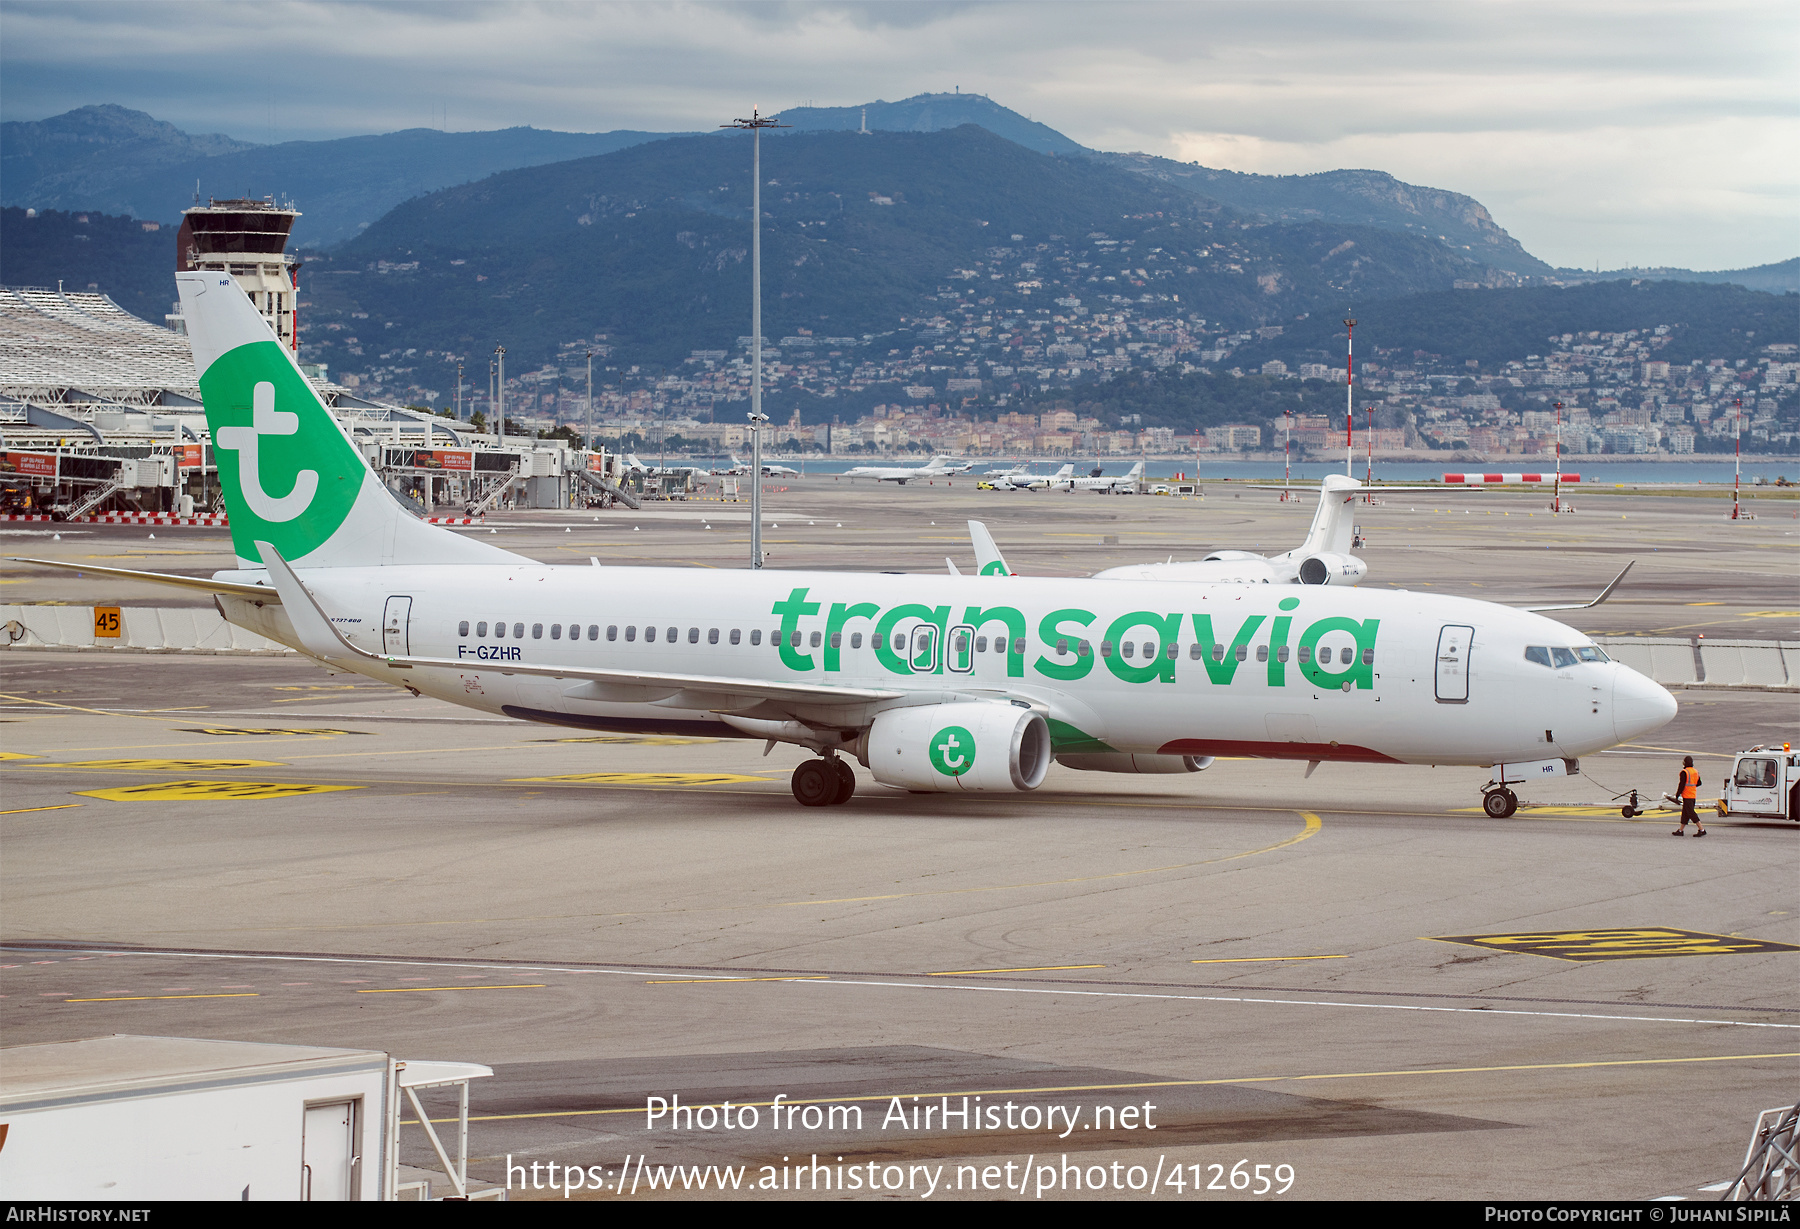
(933, 682)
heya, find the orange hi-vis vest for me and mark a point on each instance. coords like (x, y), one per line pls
(1690, 777)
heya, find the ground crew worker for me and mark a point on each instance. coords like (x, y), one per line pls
(1687, 788)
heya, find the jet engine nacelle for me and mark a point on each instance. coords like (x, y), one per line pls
(1120, 761)
(1330, 569)
(974, 746)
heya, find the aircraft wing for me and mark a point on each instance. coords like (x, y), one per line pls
(230, 588)
(323, 640)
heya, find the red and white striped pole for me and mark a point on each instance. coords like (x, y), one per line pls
(1349, 398)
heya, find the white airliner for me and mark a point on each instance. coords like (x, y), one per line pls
(769, 469)
(1035, 482)
(1125, 484)
(937, 467)
(934, 683)
(1323, 558)
(633, 465)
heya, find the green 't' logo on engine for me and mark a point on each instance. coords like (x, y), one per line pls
(952, 751)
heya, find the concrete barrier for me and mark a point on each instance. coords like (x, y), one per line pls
(150, 629)
(1729, 664)
(1668, 660)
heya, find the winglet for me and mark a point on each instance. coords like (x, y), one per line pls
(1604, 594)
(317, 635)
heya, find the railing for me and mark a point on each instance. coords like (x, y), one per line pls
(1771, 1170)
(493, 497)
(97, 497)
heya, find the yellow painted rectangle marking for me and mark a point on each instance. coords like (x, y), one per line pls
(1640, 943)
(209, 791)
(648, 778)
(61, 806)
(1262, 959)
(106, 622)
(145, 998)
(423, 989)
(1036, 968)
(161, 765)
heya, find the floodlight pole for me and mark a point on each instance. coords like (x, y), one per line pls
(459, 368)
(1556, 491)
(500, 406)
(1737, 462)
(1349, 398)
(1369, 439)
(1287, 470)
(588, 437)
(754, 125)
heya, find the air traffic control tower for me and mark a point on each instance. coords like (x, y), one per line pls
(245, 238)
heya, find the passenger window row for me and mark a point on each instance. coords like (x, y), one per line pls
(1147, 649)
(672, 635)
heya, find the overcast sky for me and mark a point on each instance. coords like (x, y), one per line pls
(1620, 133)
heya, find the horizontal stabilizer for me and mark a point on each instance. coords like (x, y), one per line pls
(257, 593)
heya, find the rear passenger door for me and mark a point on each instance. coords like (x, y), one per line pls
(395, 638)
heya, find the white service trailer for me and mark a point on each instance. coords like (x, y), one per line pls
(125, 1117)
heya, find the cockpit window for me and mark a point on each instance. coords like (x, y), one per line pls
(1562, 657)
(1588, 652)
(1538, 653)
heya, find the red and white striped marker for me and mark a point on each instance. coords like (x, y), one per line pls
(1521, 479)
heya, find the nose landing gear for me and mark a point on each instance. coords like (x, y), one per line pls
(825, 782)
(1499, 802)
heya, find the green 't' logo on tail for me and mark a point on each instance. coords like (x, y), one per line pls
(289, 475)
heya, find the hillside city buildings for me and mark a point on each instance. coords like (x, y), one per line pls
(1052, 322)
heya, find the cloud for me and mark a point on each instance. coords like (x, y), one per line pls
(1655, 133)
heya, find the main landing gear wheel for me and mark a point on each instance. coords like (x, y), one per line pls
(846, 777)
(1499, 803)
(816, 784)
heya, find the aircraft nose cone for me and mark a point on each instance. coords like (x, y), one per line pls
(1639, 705)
